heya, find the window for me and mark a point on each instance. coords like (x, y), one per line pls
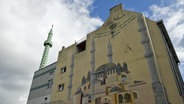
(50, 82)
(89, 86)
(63, 69)
(135, 95)
(45, 100)
(98, 100)
(120, 96)
(127, 97)
(81, 46)
(89, 99)
(61, 87)
(113, 70)
(103, 82)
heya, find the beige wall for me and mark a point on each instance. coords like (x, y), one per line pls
(126, 47)
(163, 64)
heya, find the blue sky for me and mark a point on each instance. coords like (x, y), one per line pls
(101, 7)
(24, 26)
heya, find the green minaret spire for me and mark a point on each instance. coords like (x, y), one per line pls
(48, 45)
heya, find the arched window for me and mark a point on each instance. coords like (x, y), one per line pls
(120, 96)
(102, 74)
(97, 100)
(98, 75)
(103, 82)
(127, 97)
(135, 95)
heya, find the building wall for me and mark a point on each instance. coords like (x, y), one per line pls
(40, 90)
(163, 63)
(121, 31)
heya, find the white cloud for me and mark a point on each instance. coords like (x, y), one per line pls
(23, 29)
(172, 16)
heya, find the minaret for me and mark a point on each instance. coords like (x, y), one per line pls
(109, 52)
(158, 89)
(92, 69)
(48, 45)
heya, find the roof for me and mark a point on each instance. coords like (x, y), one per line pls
(106, 67)
(115, 88)
(110, 66)
(79, 91)
(168, 41)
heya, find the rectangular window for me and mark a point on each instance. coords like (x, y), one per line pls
(81, 46)
(103, 82)
(89, 99)
(89, 86)
(63, 70)
(61, 87)
(50, 82)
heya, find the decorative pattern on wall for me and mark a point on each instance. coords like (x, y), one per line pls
(115, 29)
(106, 69)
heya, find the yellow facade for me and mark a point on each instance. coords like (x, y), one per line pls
(121, 31)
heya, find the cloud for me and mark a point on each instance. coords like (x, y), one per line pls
(24, 27)
(182, 42)
(172, 15)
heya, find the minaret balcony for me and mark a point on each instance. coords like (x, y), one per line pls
(48, 43)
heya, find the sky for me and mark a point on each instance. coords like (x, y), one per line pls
(24, 25)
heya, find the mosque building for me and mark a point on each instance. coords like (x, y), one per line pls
(128, 60)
